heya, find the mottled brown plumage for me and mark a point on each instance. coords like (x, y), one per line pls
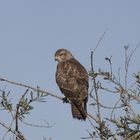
(72, 79)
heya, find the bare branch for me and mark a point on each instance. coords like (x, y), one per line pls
(30, 87)
(99, 41)
(17, 134)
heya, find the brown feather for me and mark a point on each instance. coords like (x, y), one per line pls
(72, 79)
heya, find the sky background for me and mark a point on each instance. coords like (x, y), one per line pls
(31, 32)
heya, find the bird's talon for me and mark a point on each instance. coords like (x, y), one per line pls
(65, 100)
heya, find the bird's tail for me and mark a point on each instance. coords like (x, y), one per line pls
(79, 110)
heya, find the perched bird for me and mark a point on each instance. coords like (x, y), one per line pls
(72, 79)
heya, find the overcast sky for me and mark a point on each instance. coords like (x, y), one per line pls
(32, 30)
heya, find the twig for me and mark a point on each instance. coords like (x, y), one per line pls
(95, 88)
(30, 87)
(9, 127)
(16, 119)
(91, 58)
(114, 108)
(122, 90)
(97, 101)
(97, 45)
(99, 41)
(127, 61)
(110, 64)
(130, 56)
(103, 106)
(19, 135)
(35, 125)
(126, 66)
(90, 116)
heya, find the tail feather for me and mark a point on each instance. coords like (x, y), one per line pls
(79, 110)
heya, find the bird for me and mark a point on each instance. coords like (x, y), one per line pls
(72, 80)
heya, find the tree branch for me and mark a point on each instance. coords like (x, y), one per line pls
(30, 87)
(17, 134)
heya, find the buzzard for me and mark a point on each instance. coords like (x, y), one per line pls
(72, 79)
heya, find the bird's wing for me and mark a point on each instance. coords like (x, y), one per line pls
(72, 76)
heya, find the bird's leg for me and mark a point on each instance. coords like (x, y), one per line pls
(65, 100)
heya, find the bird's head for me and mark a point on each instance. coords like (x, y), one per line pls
(63, 55)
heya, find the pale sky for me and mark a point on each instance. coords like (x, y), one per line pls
(31, 32)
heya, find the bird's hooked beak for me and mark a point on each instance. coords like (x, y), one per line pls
(56, 59)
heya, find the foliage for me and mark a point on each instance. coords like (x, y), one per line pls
(126, 102)
(23, 108)
(121, 120)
